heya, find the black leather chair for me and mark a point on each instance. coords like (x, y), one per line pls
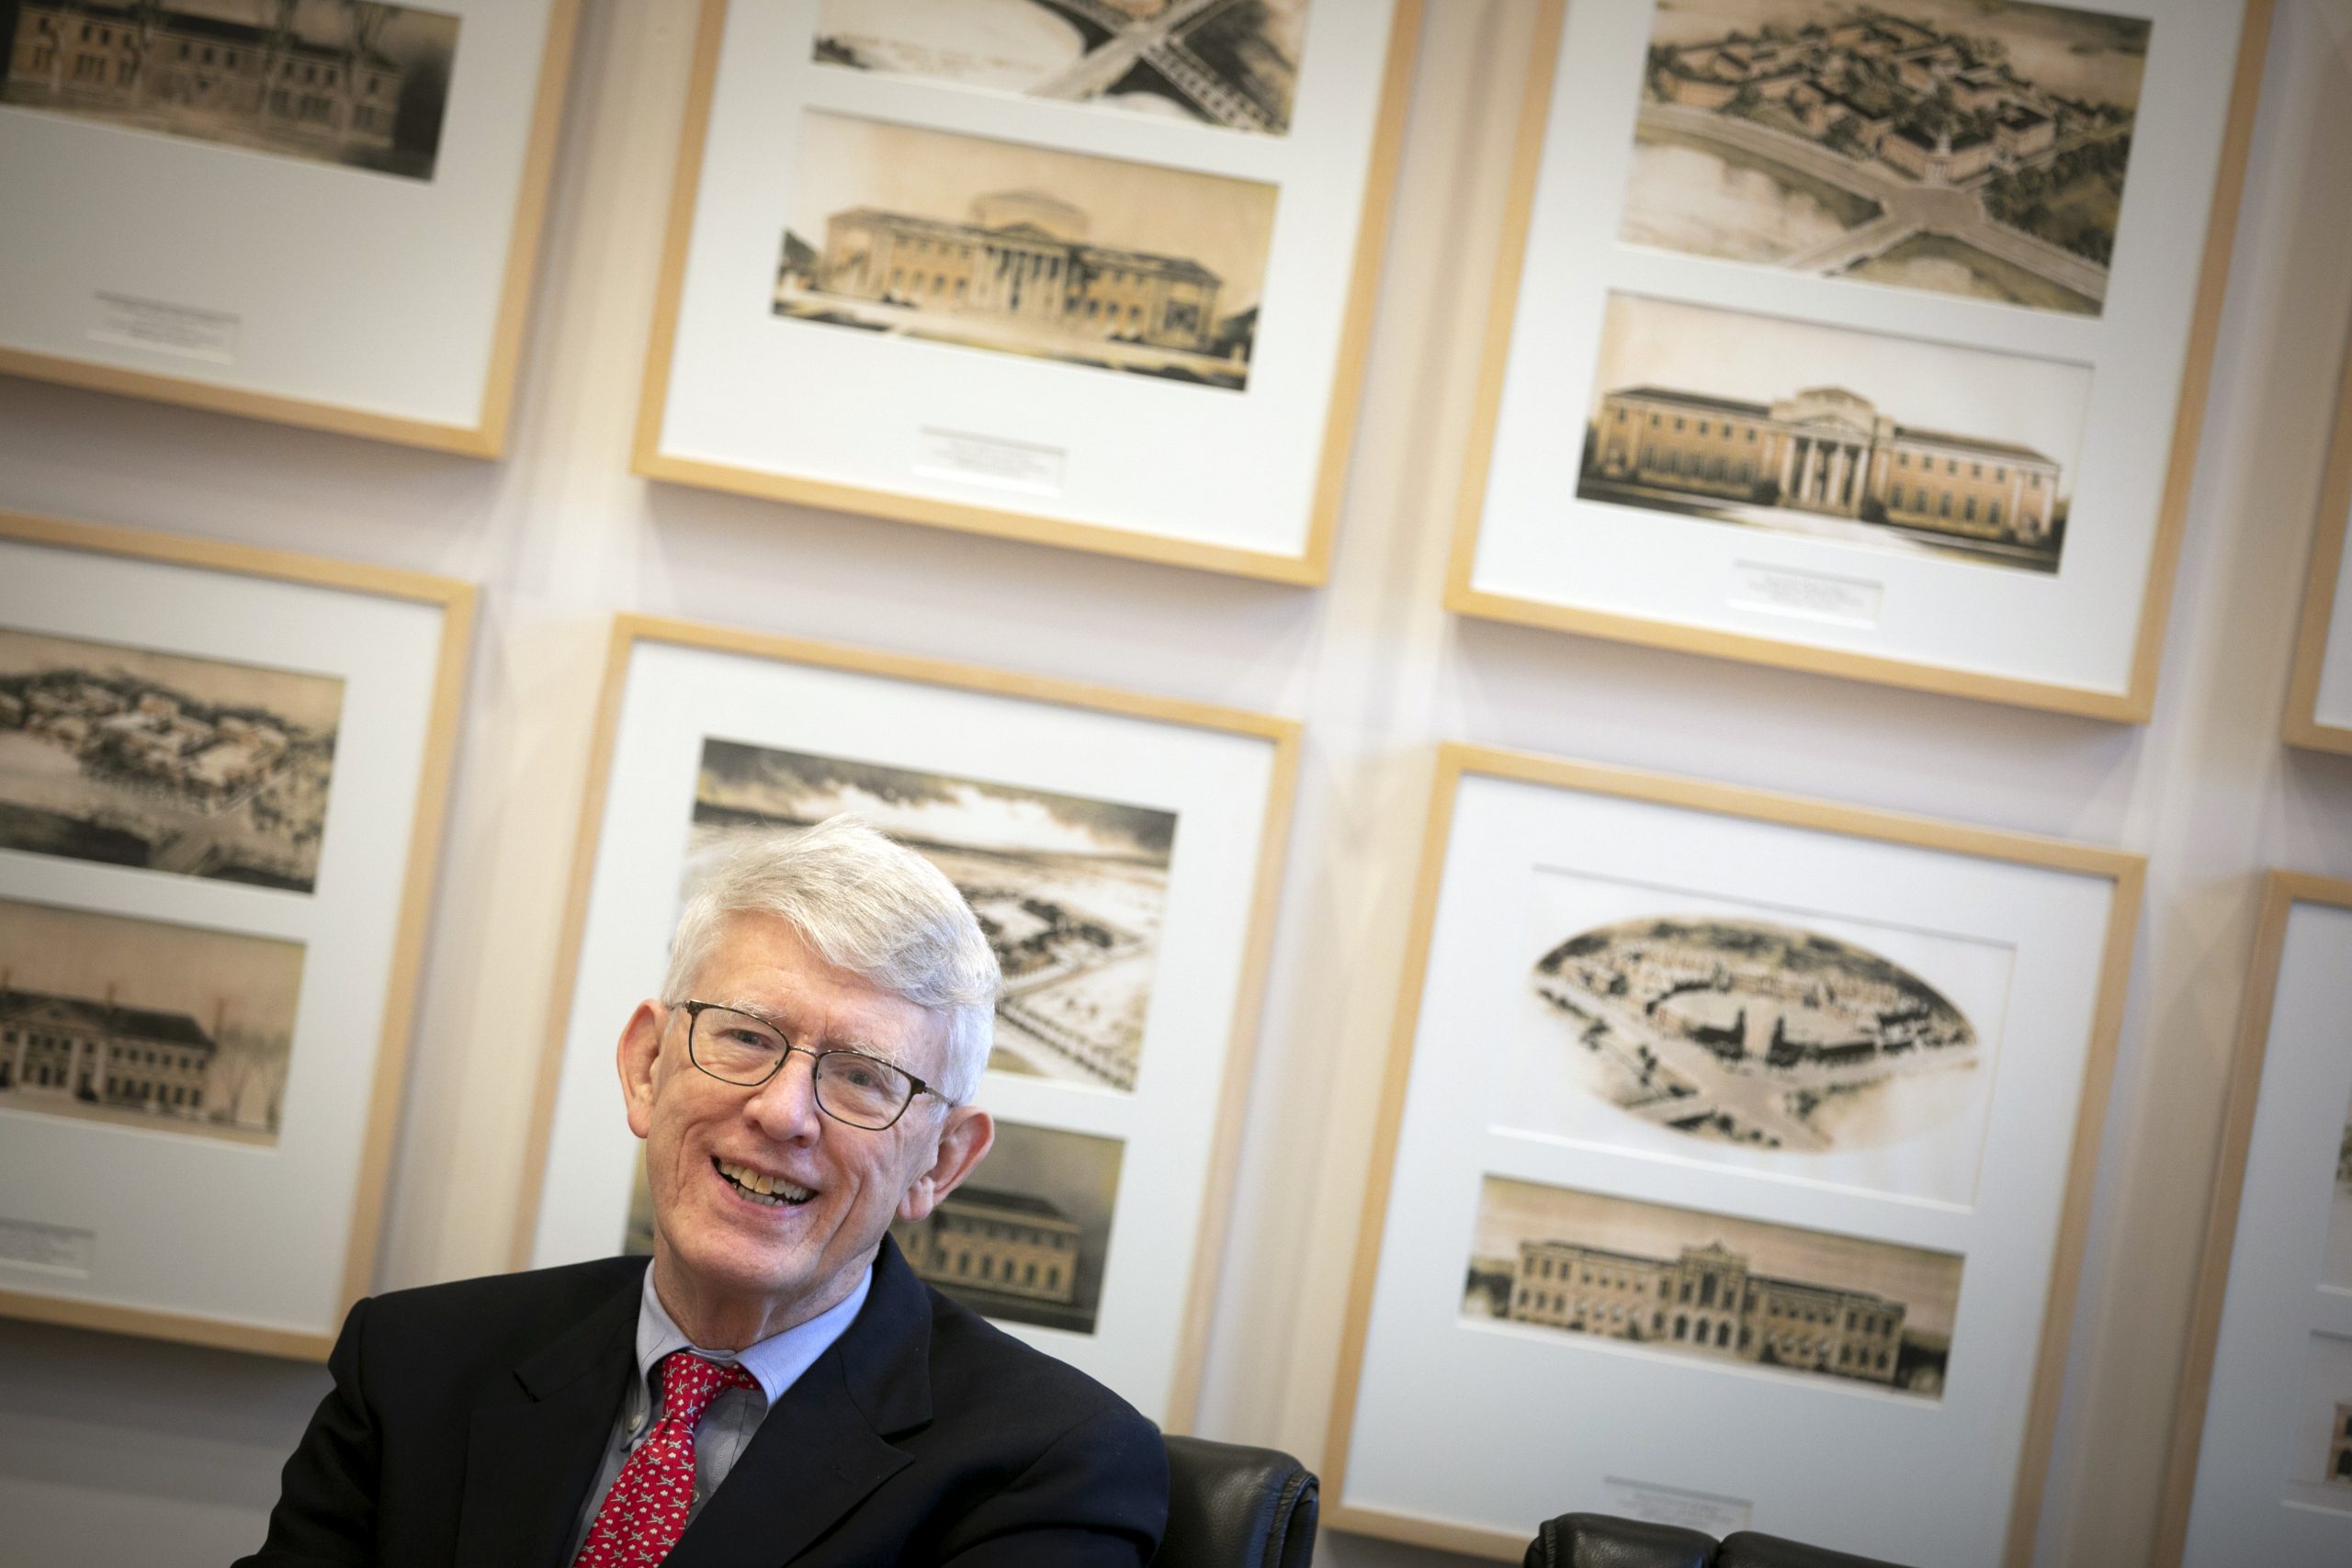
(1231, 1507)
(1604, 1541)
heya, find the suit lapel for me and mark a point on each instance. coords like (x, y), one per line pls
(825, 1446)
(533, 1452)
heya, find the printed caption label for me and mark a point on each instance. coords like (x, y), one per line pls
(1672, 1506)
(184, 330)
(991, 460)
(1806, 596)
(57, 1249)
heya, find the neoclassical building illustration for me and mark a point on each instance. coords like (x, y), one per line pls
(1825, 450)
(1022, 258)
(1706, 1300)
(100, 1051)
(99, 58)
(1007, 1243)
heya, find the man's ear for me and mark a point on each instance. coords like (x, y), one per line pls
(640, 1048)
(964, 1137)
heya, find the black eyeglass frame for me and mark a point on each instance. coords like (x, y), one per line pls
(695, 1009)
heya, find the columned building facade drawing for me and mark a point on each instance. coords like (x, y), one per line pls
(71, 1046)
(1825, 450)
(1023, 257)
(1007, 1243)
(1707, 1300)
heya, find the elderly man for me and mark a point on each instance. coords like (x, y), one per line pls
(777, 1387)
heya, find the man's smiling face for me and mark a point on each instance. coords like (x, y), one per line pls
(736, 1258)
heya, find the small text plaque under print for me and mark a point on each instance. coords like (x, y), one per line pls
(60, 1250)
(1673, 1505)
(1024, 465)
(185, 330)
(1806, 596)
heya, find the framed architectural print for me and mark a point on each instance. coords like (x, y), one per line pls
(1864, 339)
(324, 212)
(1089, 274)
(2262, 1444)
(1123, 854)
(2319, 694)
(223, 772)
(1732, 1112)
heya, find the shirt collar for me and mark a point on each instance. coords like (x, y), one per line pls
(775, 1363)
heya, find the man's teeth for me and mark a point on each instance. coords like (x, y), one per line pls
(762, 1188)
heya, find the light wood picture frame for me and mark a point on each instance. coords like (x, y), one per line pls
(1119, 1075)
(415, 142)
(1938, 1198)
(1820, 348)
(2257, 1472)
(2319, 693)
(753, 387)
(226, 771)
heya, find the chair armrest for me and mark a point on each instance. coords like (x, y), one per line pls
(1233, 1506)
(1604, 1540)
(1746, 1549)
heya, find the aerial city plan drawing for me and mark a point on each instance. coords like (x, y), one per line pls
(1973, 147)
(1228, 62)
(197, 766)
(1748, 1032)
(1070, 892)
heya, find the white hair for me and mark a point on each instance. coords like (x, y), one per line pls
(869, 905)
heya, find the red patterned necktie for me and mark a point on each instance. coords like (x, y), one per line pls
(645, 1512)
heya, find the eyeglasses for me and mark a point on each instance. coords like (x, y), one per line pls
(851, 1087)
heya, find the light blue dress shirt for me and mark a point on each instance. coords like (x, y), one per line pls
(725, 1430)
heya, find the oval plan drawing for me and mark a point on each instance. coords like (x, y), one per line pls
(1745, 1033)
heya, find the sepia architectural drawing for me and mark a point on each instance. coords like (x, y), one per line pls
(167, 762)
(142, 1023)
(1692, 1283)
(312, 80)
(1009, 1243)
(1026, 250)
(1028, 1241)
(1228, 62)
(1825, 450)
(1070, 892)
(102, 1051)
(1977, 150)
(1750, 1033)
(1022, 258)
(1898, 444)
(1706, 1300)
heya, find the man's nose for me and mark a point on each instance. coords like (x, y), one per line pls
(785, 1106)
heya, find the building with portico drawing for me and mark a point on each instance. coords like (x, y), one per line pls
(1823, 450)
(1022, 258)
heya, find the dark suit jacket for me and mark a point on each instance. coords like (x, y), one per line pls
(468, 1422)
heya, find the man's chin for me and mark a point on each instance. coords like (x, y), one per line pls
(741, 1267)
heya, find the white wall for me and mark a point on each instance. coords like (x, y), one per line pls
(119, 1451)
